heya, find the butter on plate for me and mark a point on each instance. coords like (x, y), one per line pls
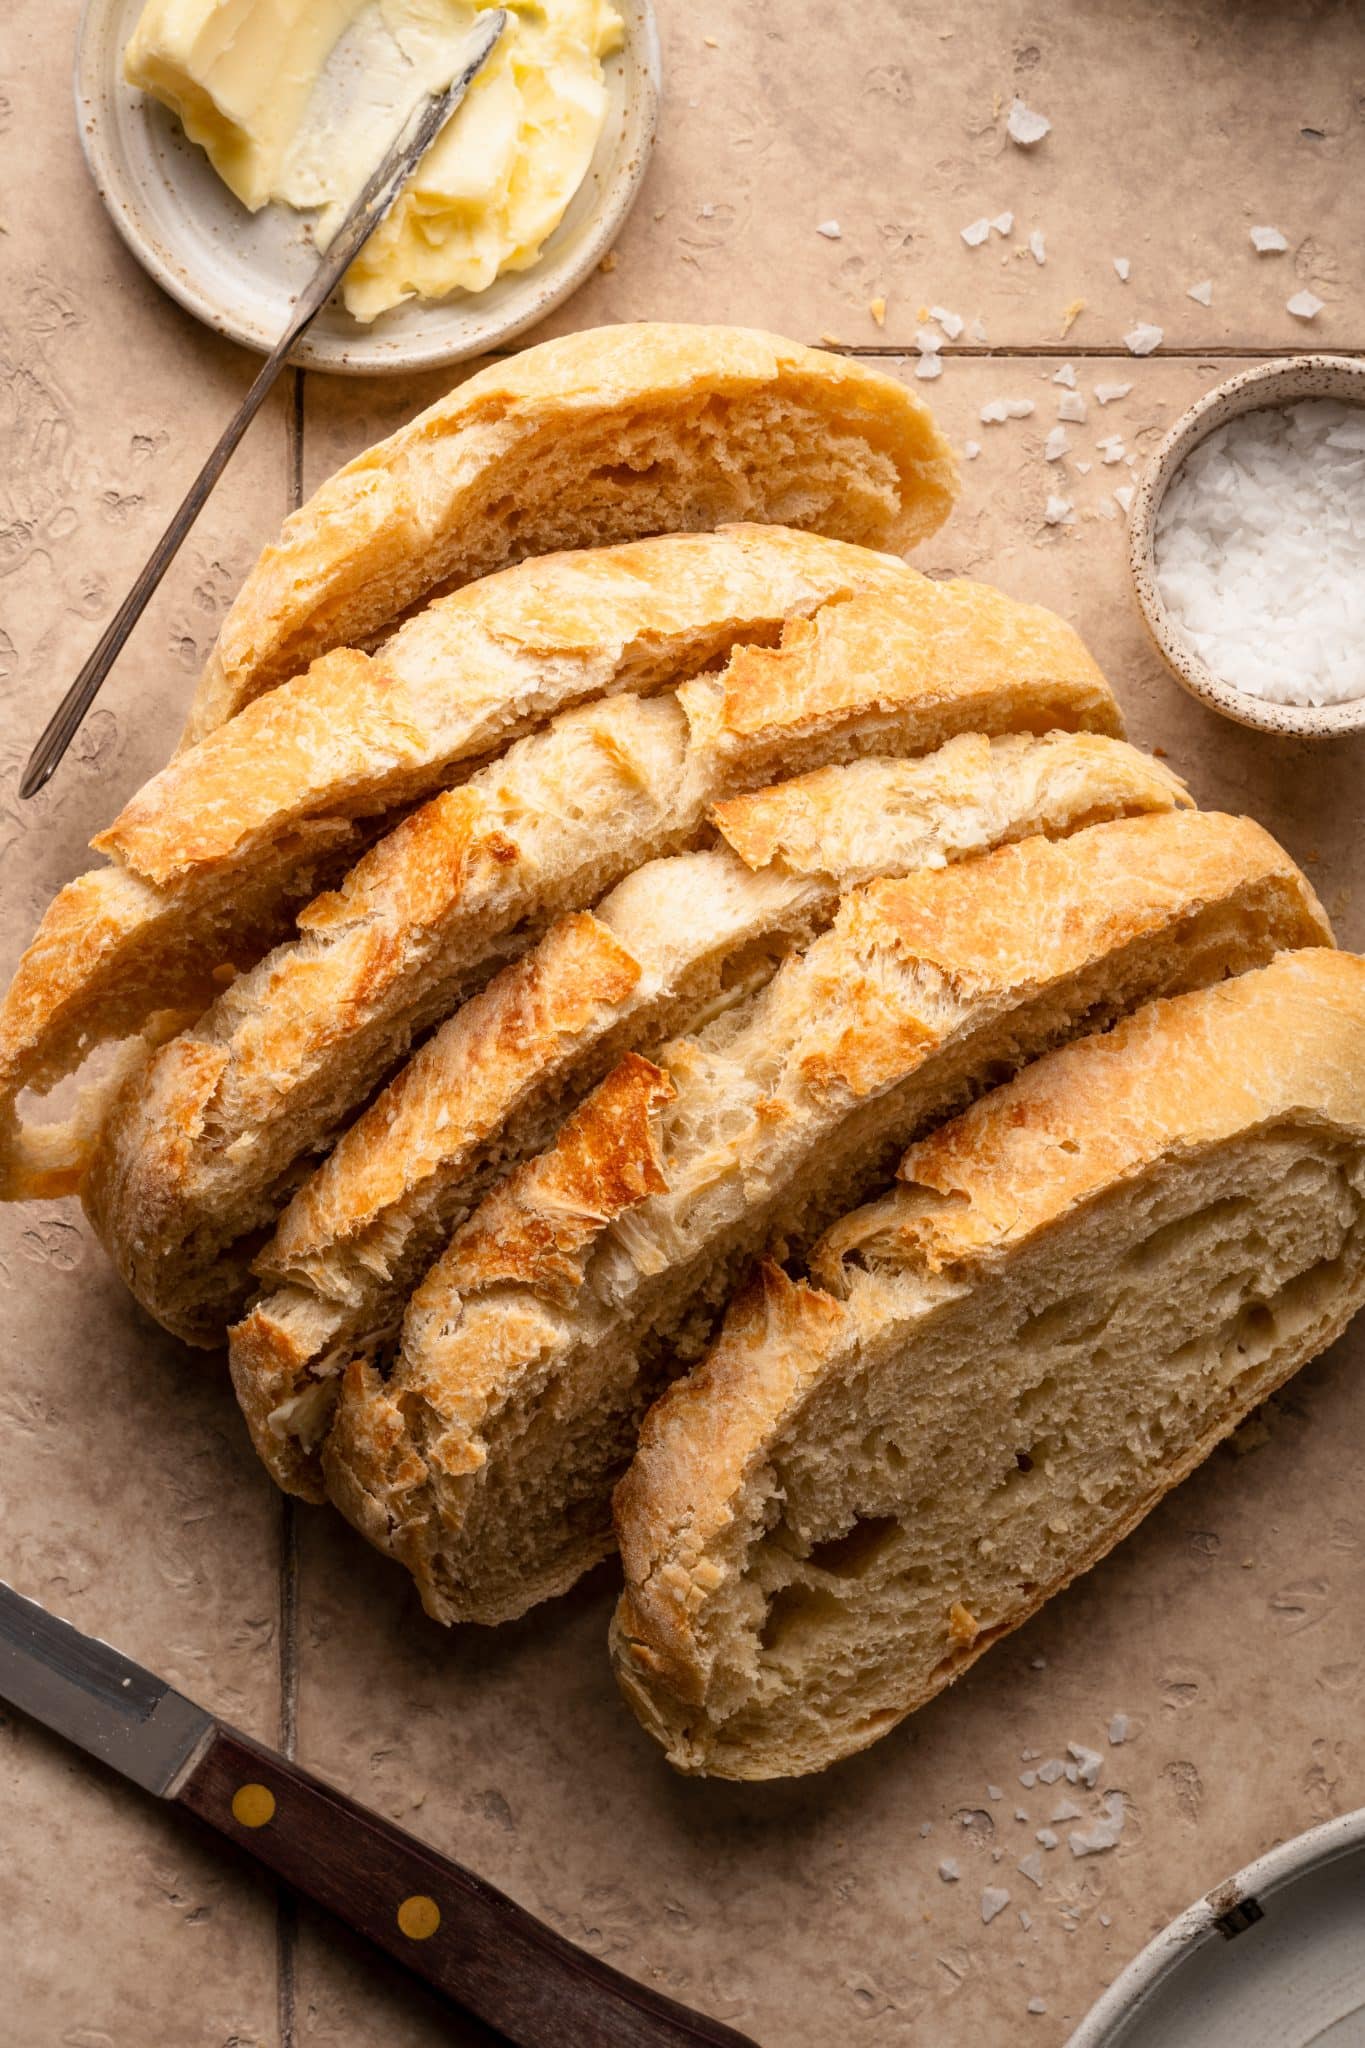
(295, 101)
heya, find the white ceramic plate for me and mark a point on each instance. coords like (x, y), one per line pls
(1272, 1958)
(239, 272)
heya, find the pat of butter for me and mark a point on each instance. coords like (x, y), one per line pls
(296, 101)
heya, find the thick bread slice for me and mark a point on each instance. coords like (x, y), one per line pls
(532, 1346)
(597, 437)
(1091, 1277)
(217, 853)
(677, 940)
(199, 1154)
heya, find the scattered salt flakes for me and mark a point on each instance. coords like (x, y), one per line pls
(1122, 266)
(976, 234)
(1089, 1762)
(1036, 2005)
(1107, 393)
(1143, 339)
(1120, 1728)
(928, 340)
(1111, 448)
(1304, 305)
(1059, 512)
(1101, 1834)
(994, 1792)
(1106, 510)
(1029, 1756)
(926, 1827)
(1019, 1814)
(1048, 1839)
(1268, 241)
(1084, 468)
(929, 366)
(971, 449)
(1202, 293)
(1066, 375)
(1071, 313)
(997, 409)
(1050, 1771)
(1123, 497)
(997, 1855)
(877, 308)
(1073, 1776)
(994, 1899)
(1025, 127)
(1025, 1920)
(1037, 248)
(831, 230)
(1037, 1663)
(1055, 446)
(1031, 1867)
(948, 1870)
(1028, 1779)
(977, 330)
(951, 323)
(1067, 1809)
(1105, 1920)
(1003, 223)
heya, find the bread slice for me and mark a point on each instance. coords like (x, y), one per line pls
(201, 1152)
(215, 855)
(679, 939)
(597, 437)
(598, 1270)
(1086, 1282)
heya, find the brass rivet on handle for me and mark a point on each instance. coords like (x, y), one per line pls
(419, 1917)
(253, 1806)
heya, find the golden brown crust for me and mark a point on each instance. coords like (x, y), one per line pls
(1182, 1075)
(419, 510)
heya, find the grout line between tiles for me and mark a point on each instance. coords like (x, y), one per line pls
(286, 1915)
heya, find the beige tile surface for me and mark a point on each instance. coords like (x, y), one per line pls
(1229, 1629)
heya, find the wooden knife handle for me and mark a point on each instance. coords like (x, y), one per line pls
(468, 1940)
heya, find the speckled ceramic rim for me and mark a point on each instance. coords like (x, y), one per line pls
(1277, 383)
(1107, 2023)
(239, 272)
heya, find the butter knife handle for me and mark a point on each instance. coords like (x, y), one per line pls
(467, 1940)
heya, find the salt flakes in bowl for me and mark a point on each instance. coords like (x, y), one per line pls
(1259, 552)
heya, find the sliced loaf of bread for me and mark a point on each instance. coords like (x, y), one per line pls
(680, 939)
(1082, 1285)
(595, 1272)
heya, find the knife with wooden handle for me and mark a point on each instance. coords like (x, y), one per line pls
(468, 1941)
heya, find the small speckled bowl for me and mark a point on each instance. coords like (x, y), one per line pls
(1279, 383)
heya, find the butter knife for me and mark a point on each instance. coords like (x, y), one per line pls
(383, 186)
(471, 1943)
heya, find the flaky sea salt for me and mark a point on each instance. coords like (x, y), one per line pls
(1031, 1867)
(1037, 247)
(1119, 1729)
(929, 366)
(1111, 448)
(1056, 444)
(975, 234)
(1003, 223)
(971, 449)
(1101, 1834)
(951, 323)
(1089, 1762)
(1071, 406)
(994, 1900)
(948, 1870)
(1202, 294)
(1268, 241)
(1304, 305)
(1123, 497)
(1142, 339)
(831, 230)
(1107, 393)
(1036, 2005)
(1066, 375)
(1260, 552)
(1122, 266)
(997, 409)
(1059, 512)
(928, 340)
(1025, 127)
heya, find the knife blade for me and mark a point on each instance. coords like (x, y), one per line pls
(472, 1943)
